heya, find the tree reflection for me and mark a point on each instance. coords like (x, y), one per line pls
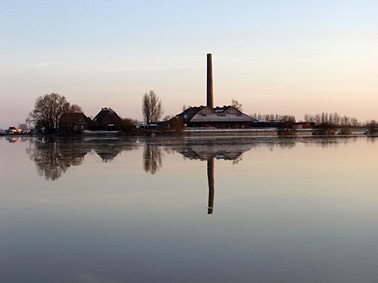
(329, 142)
(152, 158)
(54, 156)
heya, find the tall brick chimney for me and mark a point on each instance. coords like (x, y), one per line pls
(210, 101)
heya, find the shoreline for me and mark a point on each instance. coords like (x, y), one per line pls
(201, 132)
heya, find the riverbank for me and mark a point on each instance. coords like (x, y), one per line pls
(250, 132)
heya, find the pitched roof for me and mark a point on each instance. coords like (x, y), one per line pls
(74, 118)
(106, 113)
(188, 114)
(217, 114)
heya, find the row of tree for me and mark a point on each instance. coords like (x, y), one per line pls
(48, 111)
(333, 119)
(322, 119)
(273, 117)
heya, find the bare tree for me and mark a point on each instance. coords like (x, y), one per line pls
(48, 110)
(167, 117)
(236, 104)
(152, 108)
(287, 126)
(372, 127)
(184, 107)
(271, 117)
(332, 119)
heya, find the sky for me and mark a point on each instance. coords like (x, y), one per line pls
(280, 57)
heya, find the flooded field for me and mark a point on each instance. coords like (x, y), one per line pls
(194, 209)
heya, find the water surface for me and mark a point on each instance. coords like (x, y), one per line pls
(189, 210)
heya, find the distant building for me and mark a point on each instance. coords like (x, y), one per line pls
(219, 117)
(210, 116)
(72, 122)
(107, 119)
(23, 127)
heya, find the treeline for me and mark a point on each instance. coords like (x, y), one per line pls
(334, 119)
(273, 117)
(323, 118)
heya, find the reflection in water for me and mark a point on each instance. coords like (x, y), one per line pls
(329, 142)
(210, 150)
(152, 158)
(104, 222)
(15, 139)
(210, 178)
(108, 149)
(53, 156)
(219, 151)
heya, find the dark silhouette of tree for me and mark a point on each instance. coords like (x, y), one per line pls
(372, 127)
(272, 117)
(177, 124)
(287, 127)
(152, 108)
(334, 119)
(48, 110)
(128, 125)
(236, 104)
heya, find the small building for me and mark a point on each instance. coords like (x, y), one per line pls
(107, 119)
(73, 122)
(305, 125)
(219, 117)
(23, 127)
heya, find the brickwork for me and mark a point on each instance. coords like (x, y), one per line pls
(210, 101)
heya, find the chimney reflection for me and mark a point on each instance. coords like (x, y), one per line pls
(210, 178)
(209, 150)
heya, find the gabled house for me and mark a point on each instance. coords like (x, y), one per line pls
(219, 117)
(107, 119)
(73, 122)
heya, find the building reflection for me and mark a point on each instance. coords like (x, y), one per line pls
(15, 139)
(209, 151)
(108, 149)
(53, 156)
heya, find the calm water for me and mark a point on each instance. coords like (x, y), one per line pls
(189, 210)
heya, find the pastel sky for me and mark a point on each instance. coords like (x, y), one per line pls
(281, 57)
